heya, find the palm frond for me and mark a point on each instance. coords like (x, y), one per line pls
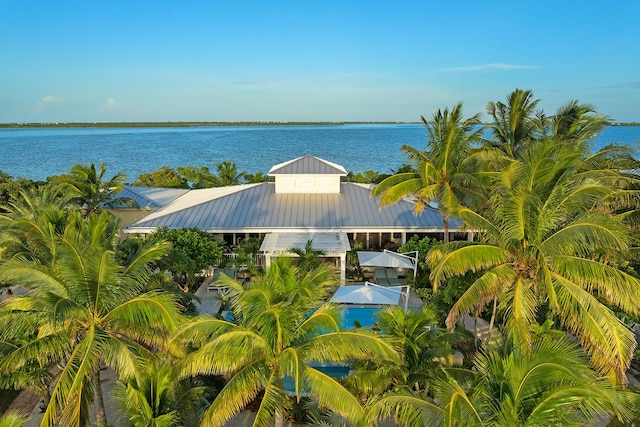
(241, 389)
(612, 284)
(331, 394)
(406, 408)
(474, 257)
(348, 346)
(493, 282)
(605, 338)
(271, 402)
(73, 392)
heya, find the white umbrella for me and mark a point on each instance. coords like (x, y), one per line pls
(363, 294)
(387, 259)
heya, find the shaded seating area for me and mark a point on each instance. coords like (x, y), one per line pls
(387, 262)
(386, 276)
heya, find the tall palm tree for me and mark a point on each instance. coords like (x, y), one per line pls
(444, 172)
(537, 250)
(549, 386)
(90, 189)
(515, 122)
(577, 122)
(278, 336)
(88, 310)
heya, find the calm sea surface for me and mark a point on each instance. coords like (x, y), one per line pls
(38, 153)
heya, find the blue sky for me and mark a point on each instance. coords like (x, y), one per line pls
(310, 60)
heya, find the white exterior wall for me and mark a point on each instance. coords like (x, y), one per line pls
(311, 184)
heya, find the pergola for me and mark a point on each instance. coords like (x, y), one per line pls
(333, 245)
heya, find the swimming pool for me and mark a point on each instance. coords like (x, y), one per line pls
(354, 316)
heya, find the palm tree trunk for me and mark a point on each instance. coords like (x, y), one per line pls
(445, 223)
(475, 332)
(101, 416)
(493, 315)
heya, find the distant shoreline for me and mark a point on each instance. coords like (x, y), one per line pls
(204, 124)
(177, 124)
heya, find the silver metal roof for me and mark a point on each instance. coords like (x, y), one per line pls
(307, 165)
(257, 208)
(151, 197)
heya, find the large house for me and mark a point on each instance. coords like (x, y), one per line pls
(306, 200)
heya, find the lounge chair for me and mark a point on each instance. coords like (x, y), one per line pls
(380, 276)
(392, 277)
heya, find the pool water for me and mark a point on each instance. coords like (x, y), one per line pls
(357, 316)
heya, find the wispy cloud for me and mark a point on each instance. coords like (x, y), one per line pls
(42, 103)
(626, 85)
(111, 104)
(245, 82)
(495, 66)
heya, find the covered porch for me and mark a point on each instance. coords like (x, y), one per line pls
(333, 246)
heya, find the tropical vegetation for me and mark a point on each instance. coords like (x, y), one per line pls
(552, 266)
(276, 343)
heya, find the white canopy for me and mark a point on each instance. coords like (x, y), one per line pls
(329, 243)
(364, 294)
(388, 259)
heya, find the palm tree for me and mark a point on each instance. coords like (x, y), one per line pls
(199, 177)
(515, 123)
(423, 348)
(444, 172)
(228, 173)
(549, 386)
(90, 189)
(278, 336)
(32, 225)
(308, 258)
(155, 397)
(88, 311)
(577, 122)
(537, 250)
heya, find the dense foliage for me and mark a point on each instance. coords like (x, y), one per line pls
(192, 251)
(553, 265)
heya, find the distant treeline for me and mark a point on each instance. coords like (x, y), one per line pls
(174, 124)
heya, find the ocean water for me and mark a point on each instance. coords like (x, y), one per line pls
(38, 153)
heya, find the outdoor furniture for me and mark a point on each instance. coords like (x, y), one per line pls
(392, 277)
(380, 277)
(386, 277)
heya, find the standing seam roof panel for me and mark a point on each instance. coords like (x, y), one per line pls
(259, 207)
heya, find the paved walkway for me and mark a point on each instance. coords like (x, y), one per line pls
(481, 328)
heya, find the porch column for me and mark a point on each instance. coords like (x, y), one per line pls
(267, 260)
(343, 267)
